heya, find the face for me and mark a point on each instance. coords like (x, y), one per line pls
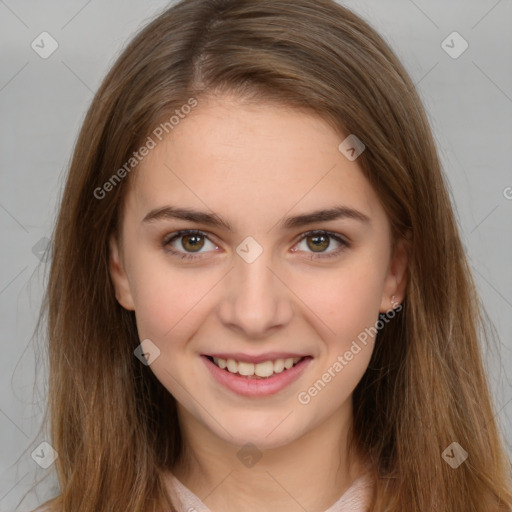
(220, 256)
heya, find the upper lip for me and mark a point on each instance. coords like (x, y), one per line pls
(269, 356)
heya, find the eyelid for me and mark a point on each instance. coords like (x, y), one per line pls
(182, 232)
(337, 236)
(176, 234)
(345, 243)
(341, 239)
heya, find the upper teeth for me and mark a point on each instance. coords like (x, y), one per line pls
(263, 369)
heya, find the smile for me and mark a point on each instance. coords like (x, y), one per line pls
(256, 379)
(264, 369)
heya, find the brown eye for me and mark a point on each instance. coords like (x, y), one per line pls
(187, 244)
(192, 243)
(319, 243)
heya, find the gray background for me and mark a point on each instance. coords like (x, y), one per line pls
(43, 102)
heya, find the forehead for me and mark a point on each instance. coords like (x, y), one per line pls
(251, 162)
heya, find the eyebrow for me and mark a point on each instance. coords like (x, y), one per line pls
(212, 219)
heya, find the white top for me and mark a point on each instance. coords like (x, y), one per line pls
(355, 499)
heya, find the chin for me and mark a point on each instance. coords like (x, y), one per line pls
(265, 433)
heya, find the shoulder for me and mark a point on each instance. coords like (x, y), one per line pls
(357, 497)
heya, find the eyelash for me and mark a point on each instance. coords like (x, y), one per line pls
(190, 256)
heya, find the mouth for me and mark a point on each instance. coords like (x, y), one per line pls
(257, 371)
(256, 379)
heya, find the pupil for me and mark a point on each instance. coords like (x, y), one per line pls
(194, 245)
(318, 240)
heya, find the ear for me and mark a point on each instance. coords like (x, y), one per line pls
(119, 277)
(396, 280)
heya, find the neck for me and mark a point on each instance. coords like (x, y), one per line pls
(309, 473)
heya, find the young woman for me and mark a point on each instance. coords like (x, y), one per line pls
(258, 298)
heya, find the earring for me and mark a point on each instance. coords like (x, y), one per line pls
(394, 304)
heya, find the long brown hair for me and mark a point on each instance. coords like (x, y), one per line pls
(113, 424)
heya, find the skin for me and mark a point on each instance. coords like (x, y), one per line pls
(253, 164)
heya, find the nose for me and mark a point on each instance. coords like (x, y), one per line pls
(256, 300)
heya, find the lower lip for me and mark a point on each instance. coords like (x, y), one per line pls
(247, 386)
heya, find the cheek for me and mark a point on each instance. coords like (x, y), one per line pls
(168, 301)
(348, 303)
(348, 299)
(345, 300)
(169, 309)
